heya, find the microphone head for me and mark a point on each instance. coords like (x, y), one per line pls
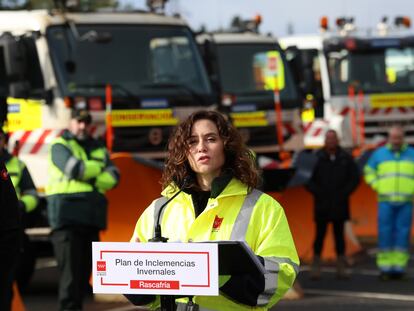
(186, 182)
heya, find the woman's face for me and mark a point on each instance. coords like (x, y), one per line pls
(206, 149)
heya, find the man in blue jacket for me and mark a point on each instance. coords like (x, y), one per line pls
(390, 172)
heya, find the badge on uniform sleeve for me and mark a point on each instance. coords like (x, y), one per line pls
(3, 174)
(217, 223)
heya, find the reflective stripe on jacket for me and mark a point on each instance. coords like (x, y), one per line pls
(78, 178)
(64, 180)
(391, 174)
(234, 215)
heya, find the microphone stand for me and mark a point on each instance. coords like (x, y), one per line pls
(167, 301)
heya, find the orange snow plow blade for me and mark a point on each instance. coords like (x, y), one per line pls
(138, 187)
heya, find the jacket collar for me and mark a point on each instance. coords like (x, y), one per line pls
(231, 188)
(403, 147)
(324, 154)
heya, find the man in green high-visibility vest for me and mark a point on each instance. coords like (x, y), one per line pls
(80, 172)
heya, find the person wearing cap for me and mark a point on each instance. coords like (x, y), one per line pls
(80, 172)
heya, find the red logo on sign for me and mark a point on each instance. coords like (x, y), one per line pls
(4, 175)
(217, 223)
(101, 266)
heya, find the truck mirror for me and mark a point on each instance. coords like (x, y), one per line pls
(70, 66)
(42, 94)
(292, 50)
(14, 58)
(210, 61)
(19, 89)
(207, 50)
(307, 59)
(308, 81)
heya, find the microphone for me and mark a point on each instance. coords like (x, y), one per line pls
(157, 232)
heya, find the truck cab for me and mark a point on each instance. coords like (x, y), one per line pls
(250, 72)
(56, 60)
(138, 73)
(360, 82)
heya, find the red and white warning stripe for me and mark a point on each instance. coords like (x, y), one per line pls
(316, 128)
(288, 129)
(37, 141)
(379, 111)
(33, 142)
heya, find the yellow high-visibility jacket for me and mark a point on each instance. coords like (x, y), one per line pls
(22, 181)
(79, 176)
(234, 214)
(391, 174)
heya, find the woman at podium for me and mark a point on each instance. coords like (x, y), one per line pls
(210, 182)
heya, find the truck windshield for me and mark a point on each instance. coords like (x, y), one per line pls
(387, 70)
(135, 58)
(241, 68)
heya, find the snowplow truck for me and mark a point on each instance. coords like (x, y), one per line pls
(356, 82)
(258, 91)
(137, 72)
(144, 67)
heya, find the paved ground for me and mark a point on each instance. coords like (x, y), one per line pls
(363, 291)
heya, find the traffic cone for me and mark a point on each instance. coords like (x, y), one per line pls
(17, 303)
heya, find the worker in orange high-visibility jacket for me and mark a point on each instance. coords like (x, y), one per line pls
(220, 201)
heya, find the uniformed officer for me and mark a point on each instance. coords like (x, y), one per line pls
(80, 172)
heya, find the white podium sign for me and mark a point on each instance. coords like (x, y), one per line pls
(155, 268)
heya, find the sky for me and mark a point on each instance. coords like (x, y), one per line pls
(303, 15)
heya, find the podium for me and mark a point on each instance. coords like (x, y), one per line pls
(235, 258)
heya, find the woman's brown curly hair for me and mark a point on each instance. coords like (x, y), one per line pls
(239, 161)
